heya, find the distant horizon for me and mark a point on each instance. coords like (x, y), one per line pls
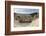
(26, 10)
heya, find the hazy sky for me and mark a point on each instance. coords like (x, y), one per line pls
(26, 10)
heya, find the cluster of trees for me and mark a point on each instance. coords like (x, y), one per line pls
(26, 18)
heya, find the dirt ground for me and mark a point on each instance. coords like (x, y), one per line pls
(33, 23)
